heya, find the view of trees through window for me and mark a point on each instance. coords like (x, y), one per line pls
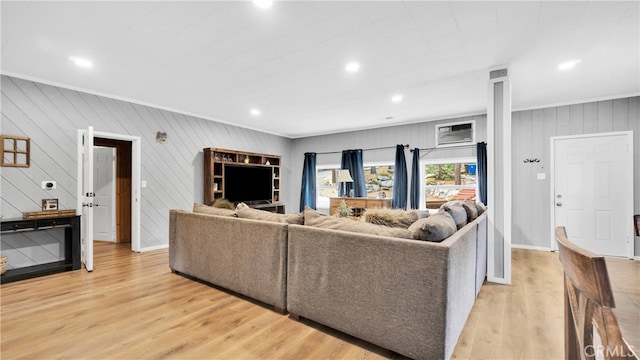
(378, 179)
(452, 181)
(443, 182)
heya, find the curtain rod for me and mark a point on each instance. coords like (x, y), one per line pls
(377, 148)
(428, 150)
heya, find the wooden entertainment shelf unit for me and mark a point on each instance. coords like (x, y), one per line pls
(215, 160)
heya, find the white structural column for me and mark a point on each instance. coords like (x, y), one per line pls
(499, 176)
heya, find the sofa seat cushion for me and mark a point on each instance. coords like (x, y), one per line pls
(391, 217)
(210, 210)
(434, 228)
(314, 218)
(245, 212)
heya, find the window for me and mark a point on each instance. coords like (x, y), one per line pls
(455, 180)
(378, 179)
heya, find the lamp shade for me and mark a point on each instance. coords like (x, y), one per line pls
(344, 176)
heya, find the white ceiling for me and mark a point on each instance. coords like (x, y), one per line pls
(219, 59)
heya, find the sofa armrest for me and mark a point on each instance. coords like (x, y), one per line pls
(245, 256)
(481, 252)
(392, 292)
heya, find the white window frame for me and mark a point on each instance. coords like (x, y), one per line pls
(423, 165)
(320, 204)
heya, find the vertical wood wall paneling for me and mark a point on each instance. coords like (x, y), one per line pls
(420, 135)
(595, 117)
(544, 187)
(50, 116)
(536, 188)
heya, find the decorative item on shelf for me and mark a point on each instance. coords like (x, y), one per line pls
(15, 151)
(215, 186)
(344, 177)
(48, 214)
(267, 163)
(49, 204)
(246, 159)
(161, 137)
(344, 210)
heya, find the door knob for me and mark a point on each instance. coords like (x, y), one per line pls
(558, 204)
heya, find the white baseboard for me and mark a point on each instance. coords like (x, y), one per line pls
(530, 247)
(157, 247)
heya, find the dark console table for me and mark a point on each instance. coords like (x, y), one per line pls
(71, 226)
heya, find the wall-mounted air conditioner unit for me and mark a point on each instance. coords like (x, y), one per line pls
(456, 134)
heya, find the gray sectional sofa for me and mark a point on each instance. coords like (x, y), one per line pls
(242, 255)
(411, 297)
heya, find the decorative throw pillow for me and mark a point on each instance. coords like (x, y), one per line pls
(391, 217)
(224, 204)
(471, 209)
(458, 213)
(245, 212)
(205, 209)
(481, 208)
(434, 228)
(314, 218)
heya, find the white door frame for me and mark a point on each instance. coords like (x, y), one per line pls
(136, 144)
(629, 204)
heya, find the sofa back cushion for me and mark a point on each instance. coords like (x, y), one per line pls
(245, 212)
(457, 211)
(434, 228)
(314, 218)
(481, 208)
(205, 209)
(471, 209)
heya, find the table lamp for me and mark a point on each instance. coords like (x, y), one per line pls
(344, 177)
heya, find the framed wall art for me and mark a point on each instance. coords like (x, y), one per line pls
(15, 150)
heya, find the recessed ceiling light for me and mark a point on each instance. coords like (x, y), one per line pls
(255, 112)
(569, 64)
(396, 98)
(264, 4)
(82, 62)
(352, 66)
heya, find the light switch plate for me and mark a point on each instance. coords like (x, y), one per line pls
(541, 176)
(143, 184)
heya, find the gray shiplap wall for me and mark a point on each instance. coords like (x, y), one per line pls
(531, 133)
(51, 116)
(420, 135)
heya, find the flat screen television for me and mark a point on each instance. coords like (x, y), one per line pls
(249, 184)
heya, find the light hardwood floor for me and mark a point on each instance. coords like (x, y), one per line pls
(133, 307)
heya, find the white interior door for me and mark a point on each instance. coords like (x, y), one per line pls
(593, 191)
(104, 224)
(87, 195)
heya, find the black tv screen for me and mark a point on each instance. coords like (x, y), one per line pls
(251, 184)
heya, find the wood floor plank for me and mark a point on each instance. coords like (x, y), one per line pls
(132, 306)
